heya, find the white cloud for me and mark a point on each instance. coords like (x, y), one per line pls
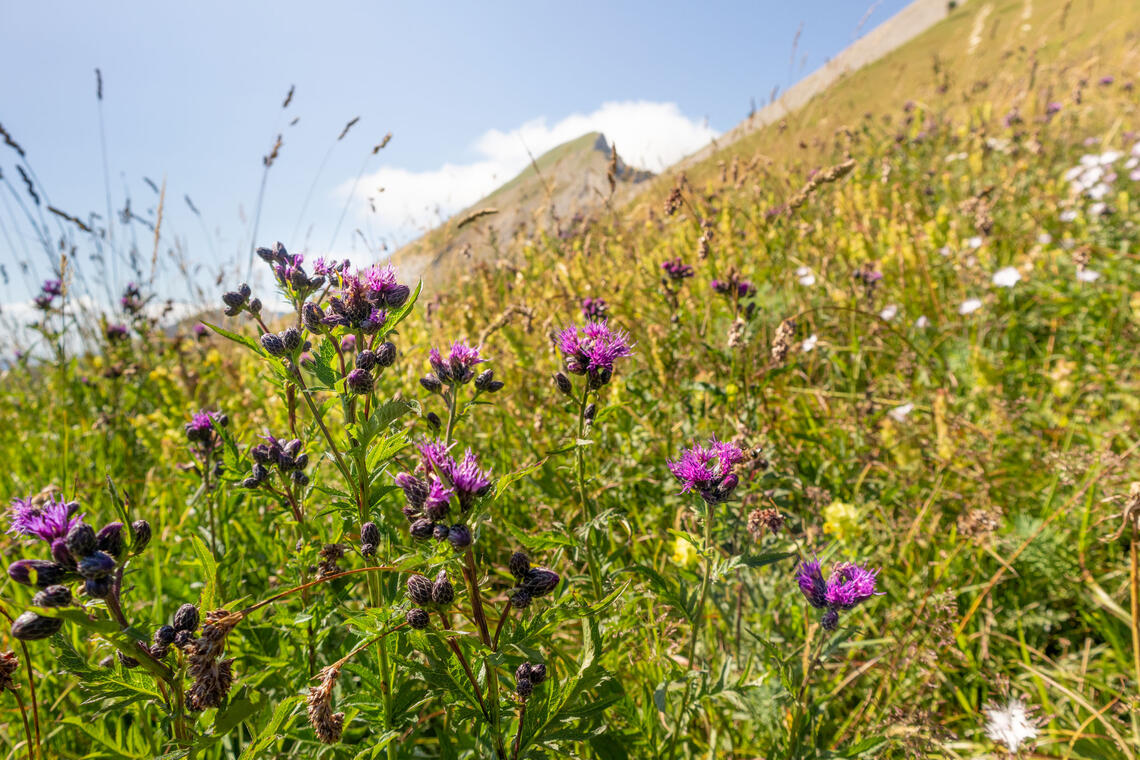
(648, 135)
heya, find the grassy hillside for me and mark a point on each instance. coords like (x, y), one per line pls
(913, 306)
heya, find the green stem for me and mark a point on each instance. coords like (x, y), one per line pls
(471, 577)
(305, 394)
(587, 505)
(698, 620)
(27, 728)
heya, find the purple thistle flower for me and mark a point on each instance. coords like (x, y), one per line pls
(436, 504)
(708, 470)
(849, 586)
(436, 456)
(50, 522)
(199, 429)
(52, 288)
(459, 365)
(116, 333)
(1053, 108)
(469, 481)
(593, 349)
(677, 269)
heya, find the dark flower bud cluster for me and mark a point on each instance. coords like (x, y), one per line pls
(594, 309)
(330, 554)
(288, 342)
(677, 270)
(425, 593)
(363, 299)
(734, 286)
(116, 333)
(485, 382)
(286, 457)
(533, 582)
(369, 539)
(527, 676)
(9, 664)
(78, 553)
(289, 271)
(212, 676)
(239, 300)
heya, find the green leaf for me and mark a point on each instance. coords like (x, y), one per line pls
(209, 599)
(322, 362)
(281, 719)
(512, 477)
(249, 343)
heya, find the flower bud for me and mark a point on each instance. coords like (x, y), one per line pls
(183, 639)
(522, 671)
(537, 673)
(97, 564)
(110, 539)
(81, 540)
(159, 651)
(540, 581)
(99, 588)
(397, 296)
(359, 381)
(31, 627)
(563, 383)
(311, 315)
(291, 338)
(436, 509)
(417, 618)
(244, 291)
(60, 553)
(141, 529)
(523, 687)
(431, 383)
(590, 412)
(495, 386)
(366, 360)
(411, 513)
(37, 572)
(519, 565)
(126, 661)
(442, 592)
(273, 345)
(440, 532)
(459, 536)
(250, 482)
(164, 635)
(422, 528)
(255, 306)
(484, 379)
(369, 533)
(434, 420)
(53, 596)
(233, 299)
(415, 490)
(386, 354)
(368, 550)
(186, 618)
(830, 620)
(419, 589)
(520, 599)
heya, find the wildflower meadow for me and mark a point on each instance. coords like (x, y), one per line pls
(824, 446)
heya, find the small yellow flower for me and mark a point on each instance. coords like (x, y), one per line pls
(684, 553)
(841, 520)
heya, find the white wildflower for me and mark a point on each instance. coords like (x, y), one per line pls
(1098, 191)
(809, 343)
(1010, 724)
(922, 322)
(899, 413)
(969, 306)
(974, 242)
(1068, 215)
(1044, 238)
(1098, 209)
(889, 312)
(807, 278)
(1110, 157)
(1088, 275)
(1007, 278)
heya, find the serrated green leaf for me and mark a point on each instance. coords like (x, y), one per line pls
(282, 717)
(209, 598)
(249, 343)
(513, 477)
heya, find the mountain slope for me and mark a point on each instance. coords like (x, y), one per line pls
(559, 189)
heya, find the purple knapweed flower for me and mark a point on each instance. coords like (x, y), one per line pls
(593, 349)
(49, 522)
(289, 270)
(594, 309)
(677, 269)
(458, 367)
(1105, 81)
(199, 429)
(469, 481)
(436, 456)
(1052, 108)
(131, 301)
(116, 333)
(52, 288)
(741, 288)
(708, 470)
(849, 586)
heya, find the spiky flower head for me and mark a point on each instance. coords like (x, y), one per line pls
(1011, 723)
(593, 349)
(594, 309)
(708, 470)
(677, 270)
(469, 481)
(848, 586)
(459, 365)
(49, 521)
(201, 431)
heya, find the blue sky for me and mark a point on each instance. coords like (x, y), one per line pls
(193, 94)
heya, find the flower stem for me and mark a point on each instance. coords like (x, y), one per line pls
(1134, 576)
(587, 505)
(698, 620)
(27, 728)
(470, 574)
